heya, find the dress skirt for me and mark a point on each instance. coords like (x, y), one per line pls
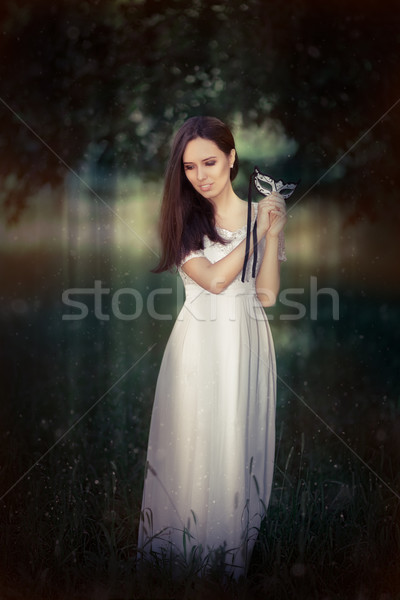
(210, 455)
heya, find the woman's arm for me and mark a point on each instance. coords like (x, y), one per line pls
(215, 277)
(268, 278)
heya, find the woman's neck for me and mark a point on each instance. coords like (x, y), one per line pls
(226, 203)
(230, 213)
(228, 206)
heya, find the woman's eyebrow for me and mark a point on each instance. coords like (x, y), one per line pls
(188, 162)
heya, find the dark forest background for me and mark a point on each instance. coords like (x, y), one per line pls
(91, 93)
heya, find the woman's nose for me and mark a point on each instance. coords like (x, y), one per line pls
(200, 174)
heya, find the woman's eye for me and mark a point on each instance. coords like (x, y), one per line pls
(209, 163)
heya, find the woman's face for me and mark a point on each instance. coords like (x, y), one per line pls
(207, 167)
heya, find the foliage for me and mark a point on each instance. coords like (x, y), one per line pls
(107, 82)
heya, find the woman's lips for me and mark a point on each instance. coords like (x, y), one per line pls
(206, 187)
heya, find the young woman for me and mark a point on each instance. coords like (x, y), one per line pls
(212, 435)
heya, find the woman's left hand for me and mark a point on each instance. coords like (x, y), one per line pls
(275, 205)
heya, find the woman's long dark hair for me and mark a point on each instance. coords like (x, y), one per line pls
(186, 216)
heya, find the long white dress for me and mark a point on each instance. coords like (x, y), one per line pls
(211, 445)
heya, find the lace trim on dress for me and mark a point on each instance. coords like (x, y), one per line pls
(227, 233)
(192, 254)
(281, 246)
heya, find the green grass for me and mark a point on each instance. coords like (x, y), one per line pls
(69, 531)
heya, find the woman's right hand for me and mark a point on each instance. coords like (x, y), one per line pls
(271, 216)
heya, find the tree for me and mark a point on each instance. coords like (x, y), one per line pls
(114, 78)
